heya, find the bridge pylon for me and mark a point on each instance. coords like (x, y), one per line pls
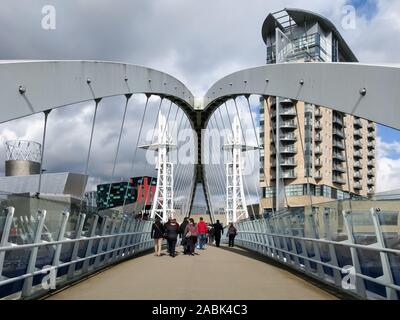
(236, 208)
(163, 201)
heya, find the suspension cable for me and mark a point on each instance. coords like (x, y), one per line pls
(128, 96)
(97, 101)
(136, 149)
(347, 164)
(303, 154)
(46, 114)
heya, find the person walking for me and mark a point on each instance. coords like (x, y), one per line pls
(172, 231)
(201, 234)
(182, 229)
(218, 232)
(232, 232)
(191, 236)
(211, 234)
(157, 233)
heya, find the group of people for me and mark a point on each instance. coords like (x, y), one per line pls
(190, 233)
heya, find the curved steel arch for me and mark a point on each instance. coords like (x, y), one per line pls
(368, 91)
(32, 86)
(28, 87)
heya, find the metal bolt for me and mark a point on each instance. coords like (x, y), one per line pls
(88, 81)
(301, 82)
(126, 79)
(363, 91)
(149, 80)
(231, 84)
(266, 80)
(22, 89)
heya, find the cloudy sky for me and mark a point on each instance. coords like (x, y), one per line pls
(195, 41)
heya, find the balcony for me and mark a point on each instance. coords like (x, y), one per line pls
(357, 165)
(371, 136)
(285, 101)
(338, 156)
(338, 133)
(370, 182)
(318, 175)
(358, 123)
(288, 125)
(371, 173)
(371, 145)
(290, 149)
(371, 192)
(318, 163)
(371, 154)
(287, 112)
(338, 144)
(338, 180)
(318, 113)
(358, 154)
(288, 137)
(337, 120)
(318, 138)
(318, 151)
(371, 163)
(318, 125)
(371, 126)
(288, 175)
(289, 162)
(357, 186)
(357, 175)
(357, 133)
(338, 168)
(357, 144)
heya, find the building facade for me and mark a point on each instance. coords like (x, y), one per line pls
(316, 154)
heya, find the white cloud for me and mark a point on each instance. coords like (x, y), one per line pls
(388, 169)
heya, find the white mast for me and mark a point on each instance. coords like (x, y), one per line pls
(163, 202)
(236, 207)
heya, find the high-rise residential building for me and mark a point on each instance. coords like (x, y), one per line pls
(316, 154)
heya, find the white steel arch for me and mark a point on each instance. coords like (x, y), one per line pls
(367, 91)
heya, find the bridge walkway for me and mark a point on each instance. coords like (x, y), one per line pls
(215, 273)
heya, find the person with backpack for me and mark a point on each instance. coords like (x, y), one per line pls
(191, 236)
(157, 233)
(171, 233)
(232, 232)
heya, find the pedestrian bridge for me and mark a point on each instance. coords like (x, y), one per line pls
(212, 274)
(348, 245)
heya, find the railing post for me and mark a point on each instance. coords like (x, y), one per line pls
(337, 277)
(78, 235)
(60, 237)
(110, 241)
(27, 287)
(124, 240)
(117, 240)
(100, 244)
(360, 285)
(88, 252)
(5, 235)
(265, 237)
(387, 270)
(131, 237)
(317, 253)
(304, 252)
(287, 225)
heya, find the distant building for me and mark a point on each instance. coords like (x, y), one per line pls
(139, 190)
(315, 153)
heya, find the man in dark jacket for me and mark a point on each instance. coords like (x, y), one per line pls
(172, 231)
(218, 232)
(182, 229)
